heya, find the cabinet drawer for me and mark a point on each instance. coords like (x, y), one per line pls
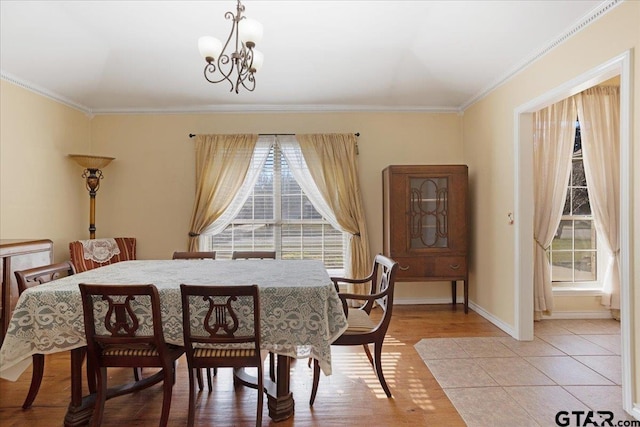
(412, 267)
(449, 267)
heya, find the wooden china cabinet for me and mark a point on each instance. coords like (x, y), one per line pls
(18, 254)
(425, 223)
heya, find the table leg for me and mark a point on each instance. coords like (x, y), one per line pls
(280, 401)
(279, 397)
(81, 408)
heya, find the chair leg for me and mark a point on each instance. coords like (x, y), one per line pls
(368, 351)
(167, 386)
(260, 397)
(209, 380)
(199, 378)
(378, 366)
(137, 374)
(316, 380)
(192, 396)
(36, 380)
(91, 376)
(101, 397)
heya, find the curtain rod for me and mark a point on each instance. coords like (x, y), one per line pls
(191, 135)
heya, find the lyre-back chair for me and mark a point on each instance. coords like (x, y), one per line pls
(199, 255)
(222, 337)
(123, 326)
(27, 279)
(362, 328)
(194, 255)
(253, 255)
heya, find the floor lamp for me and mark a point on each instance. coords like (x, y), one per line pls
(92, 172)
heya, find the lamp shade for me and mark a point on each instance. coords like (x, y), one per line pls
(250, 30)
(91, 162)
(209, 47)
(258, 58)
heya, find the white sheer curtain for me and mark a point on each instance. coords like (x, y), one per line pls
(295, 159)
(553, 140)
(599, 116)
(260, 154)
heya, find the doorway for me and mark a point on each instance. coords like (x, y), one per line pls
(523, 138)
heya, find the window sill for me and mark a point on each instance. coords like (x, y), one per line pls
(577, 291)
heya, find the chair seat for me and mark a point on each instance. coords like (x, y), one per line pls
(359, 322)
(119, 350)
(224, 352)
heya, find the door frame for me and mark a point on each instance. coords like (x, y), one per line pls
(523, 198)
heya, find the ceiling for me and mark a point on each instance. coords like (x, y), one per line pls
(142, 56)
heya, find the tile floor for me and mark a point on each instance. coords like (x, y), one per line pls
(571, 365)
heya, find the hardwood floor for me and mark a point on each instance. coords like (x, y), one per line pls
(352, 391)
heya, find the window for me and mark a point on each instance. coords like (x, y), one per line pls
(279, 216)
(574, 251)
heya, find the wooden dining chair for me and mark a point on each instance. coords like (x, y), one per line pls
(253, 255)
(120, 336)
(363, 329)
(199, 255)
(194, 255)
(260, 255)
(89, 254)
(217, 333)
(27, 279)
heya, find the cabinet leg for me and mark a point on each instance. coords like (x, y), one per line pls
(466, 296)
(454, 290)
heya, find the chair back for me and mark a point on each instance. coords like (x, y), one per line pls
(39, 275)
(194, 255)
(385, 270)
(126, 316)
(253, 255)
(89, 254)
(221, 315)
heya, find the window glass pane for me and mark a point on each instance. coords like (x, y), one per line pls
(585, 266)
(585, 235)
(577, 173)
(567, 204)
(263, 207)
(291, 207)
(563, 239)
(581, 204)
(562, 266)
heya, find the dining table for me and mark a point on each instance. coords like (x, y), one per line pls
(301, 315)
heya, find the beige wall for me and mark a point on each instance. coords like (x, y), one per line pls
(41, 192)
(148, 190)
(489, 152)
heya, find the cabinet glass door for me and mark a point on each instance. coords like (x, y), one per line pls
(428, 225)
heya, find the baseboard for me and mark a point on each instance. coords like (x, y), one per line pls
(491, 318)
(635, 411)
(598, 314)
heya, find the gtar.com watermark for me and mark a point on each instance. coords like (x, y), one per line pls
(591, 419)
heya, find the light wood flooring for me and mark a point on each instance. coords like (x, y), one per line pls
(352, 395)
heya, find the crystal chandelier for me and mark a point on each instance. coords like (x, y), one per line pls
(244, 59)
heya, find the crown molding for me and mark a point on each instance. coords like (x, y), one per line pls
(45, 92)
(598, 12)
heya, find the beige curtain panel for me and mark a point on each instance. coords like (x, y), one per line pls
(332, 162)
(599, 115)
(554, 135)
(222, 162)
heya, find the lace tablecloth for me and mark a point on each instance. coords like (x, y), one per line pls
(301, 312)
